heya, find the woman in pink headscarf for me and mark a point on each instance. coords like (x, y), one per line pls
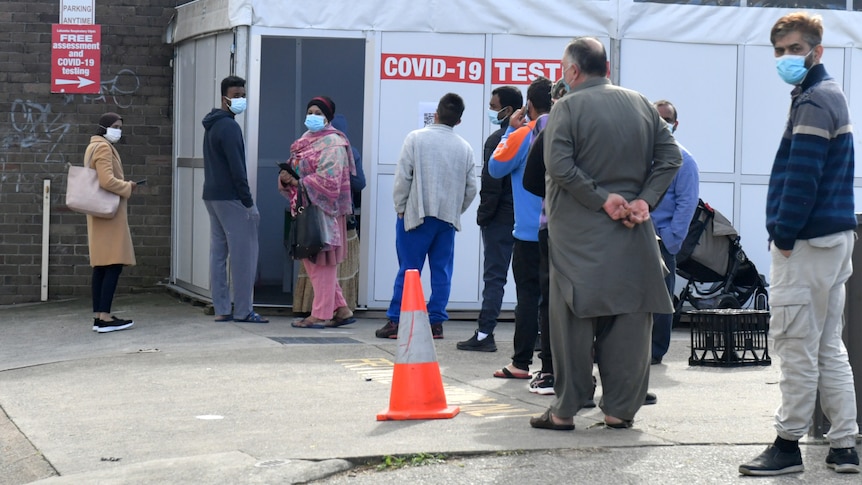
(324, 162)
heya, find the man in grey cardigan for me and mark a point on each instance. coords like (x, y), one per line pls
(434, 185)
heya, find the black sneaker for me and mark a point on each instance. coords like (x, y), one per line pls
(773, 462)
(113, 325)
(437, 331)
(95, 324)
(487, 344)
(542, 384)
(843, 460)
(390, 330)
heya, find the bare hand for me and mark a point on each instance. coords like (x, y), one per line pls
(639, 211)
(518, 117)
(286, 179)
(785, 252)
(616, 207)
(401, 215)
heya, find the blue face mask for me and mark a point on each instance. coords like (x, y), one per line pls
(237, 105)
(315, 122)
(670, 126)
(492, 116)
(792, 69)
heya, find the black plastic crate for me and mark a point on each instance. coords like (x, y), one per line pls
(729, 337)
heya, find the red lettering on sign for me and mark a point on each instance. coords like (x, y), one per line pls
(523, 71)
(421, 67)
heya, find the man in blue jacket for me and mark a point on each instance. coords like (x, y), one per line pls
(234, 218)
(671, 219)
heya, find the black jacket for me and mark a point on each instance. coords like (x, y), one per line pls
(534, 170)
(495, 195)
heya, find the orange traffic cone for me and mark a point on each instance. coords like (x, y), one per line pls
(417, 388)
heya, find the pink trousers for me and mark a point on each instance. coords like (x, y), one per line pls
(327, 291)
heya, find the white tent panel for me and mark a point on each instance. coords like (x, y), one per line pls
(752, 227)
(719, 196)
(406, 59)
(700, 24)
(549, 17)
(855, 100)
(700, 80)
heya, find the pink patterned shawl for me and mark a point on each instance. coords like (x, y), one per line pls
(324, 162)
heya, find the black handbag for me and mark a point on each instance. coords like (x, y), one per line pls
(307, 236)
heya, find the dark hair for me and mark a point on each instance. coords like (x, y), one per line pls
(449, 109)
(810, 26)
(664, 102)
(231, 82)
(105, 122)
(588, 53)
(539, 94)
(509, 96)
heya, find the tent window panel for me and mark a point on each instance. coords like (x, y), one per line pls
(857, 5)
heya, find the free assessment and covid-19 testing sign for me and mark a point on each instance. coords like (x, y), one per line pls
(75, 58)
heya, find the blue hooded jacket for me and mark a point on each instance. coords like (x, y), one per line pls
(225, 172)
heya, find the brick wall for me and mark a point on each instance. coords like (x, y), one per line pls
(40, 132)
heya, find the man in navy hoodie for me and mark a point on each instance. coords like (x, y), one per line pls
(234, 218)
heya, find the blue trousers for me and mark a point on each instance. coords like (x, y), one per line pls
(233, 232)
(435, 240)
(662, 325)
(497, 240)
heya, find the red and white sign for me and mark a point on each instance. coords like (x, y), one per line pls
(422, 67)
(524, 71)
(78, 12)
(76, 58)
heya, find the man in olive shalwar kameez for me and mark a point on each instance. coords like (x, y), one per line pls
(609, 158)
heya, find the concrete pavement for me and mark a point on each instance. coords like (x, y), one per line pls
(182, 399)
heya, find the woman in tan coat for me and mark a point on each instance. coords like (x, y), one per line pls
(109, 239)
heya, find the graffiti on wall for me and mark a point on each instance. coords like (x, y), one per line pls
(34, 127)
(117, 90)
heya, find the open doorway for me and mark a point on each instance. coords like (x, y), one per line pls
(294, 70)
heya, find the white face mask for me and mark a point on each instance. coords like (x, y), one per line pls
(113, 134)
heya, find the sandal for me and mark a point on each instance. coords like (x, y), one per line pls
(339, 322)
(505, 373)
(252, 318)
(224, 318)
(306, 323)
(545, 421)
(623, 424)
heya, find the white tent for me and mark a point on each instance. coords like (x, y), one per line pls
(384, 61)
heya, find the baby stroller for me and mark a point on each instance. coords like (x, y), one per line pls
(718, 273)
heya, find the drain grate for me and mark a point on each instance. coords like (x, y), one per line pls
(314, 340)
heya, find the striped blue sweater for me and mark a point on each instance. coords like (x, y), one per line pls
(811, 185)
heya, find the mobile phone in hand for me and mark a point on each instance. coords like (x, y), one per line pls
(141, 182)
(287, 168)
